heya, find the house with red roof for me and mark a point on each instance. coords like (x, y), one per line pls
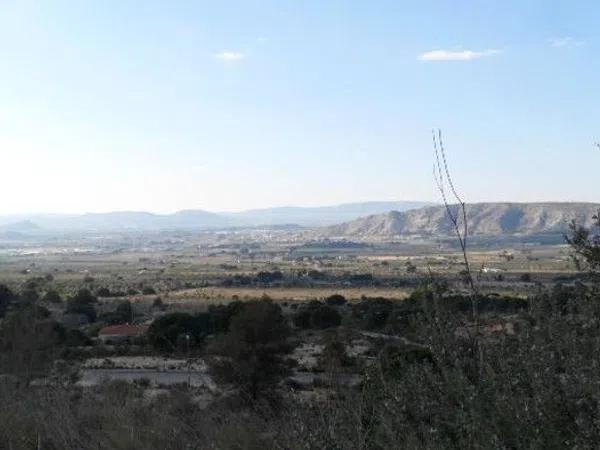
(116, 334)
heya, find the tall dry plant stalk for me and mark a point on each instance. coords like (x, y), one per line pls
(458, 218)
(460, 224)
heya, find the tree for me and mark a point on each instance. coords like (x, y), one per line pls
(325, 317)
(336, 300)
(29, 295)
(315, 314)
(84, 296)
(221, 315)
(585, 243)
(122, 314)
(373, 313)
(158, 304)
(302, 319)
(166, 332)
(334, 355)
(269, 277)
(29, 341)
(52, 296)
(82, 303)
(251, 353)
(76, 338)
(6, 297)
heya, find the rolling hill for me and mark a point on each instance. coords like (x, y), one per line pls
(122, 220)
(199, 219)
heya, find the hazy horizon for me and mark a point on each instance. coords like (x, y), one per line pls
(137, 210)
(160, 107)
(304, 206)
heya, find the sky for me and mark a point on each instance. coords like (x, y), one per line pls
(230, 105)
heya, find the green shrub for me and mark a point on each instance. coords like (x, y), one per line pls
(336, 300)
(372, 313)
(325, 317)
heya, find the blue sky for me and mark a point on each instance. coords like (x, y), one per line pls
(160, 106)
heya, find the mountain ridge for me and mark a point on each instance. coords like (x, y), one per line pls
(484, 219)
(201, 219)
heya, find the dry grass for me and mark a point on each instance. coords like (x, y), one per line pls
(211, 294)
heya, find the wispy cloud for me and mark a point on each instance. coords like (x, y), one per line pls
(451, 55)
(566, 41)
(229, 56)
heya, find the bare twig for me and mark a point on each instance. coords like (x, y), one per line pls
(443, 179)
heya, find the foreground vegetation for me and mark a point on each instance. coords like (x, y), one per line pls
(332, 372)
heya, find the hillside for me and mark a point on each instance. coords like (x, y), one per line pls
(485, 219)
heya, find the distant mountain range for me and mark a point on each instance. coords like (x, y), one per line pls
(199, 219)
(22, 226)
(321, 215)
(484, 219)
(370, 220)
(15, 230)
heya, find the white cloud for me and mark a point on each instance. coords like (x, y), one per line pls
(229, 56)
(566, 41)
(462, 55)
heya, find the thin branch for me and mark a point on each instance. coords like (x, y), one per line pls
(450, 182)
(443, 177)
(453, 189)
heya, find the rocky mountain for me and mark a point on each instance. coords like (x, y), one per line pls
(484, 219)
